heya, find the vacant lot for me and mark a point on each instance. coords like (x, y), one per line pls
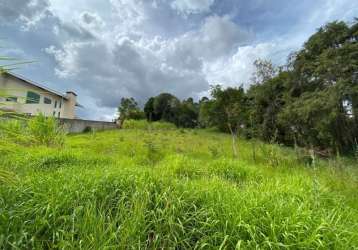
(167, 188)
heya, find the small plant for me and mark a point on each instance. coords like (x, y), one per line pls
(153, 153)
(214, 151)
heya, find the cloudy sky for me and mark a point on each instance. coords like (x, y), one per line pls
(108, 49)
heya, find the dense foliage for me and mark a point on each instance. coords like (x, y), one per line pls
(129, 109)
(314, 101)
(166, 107)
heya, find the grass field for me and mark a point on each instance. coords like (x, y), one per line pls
(168, 188)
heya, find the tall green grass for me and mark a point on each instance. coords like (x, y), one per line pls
(143, 124)
(38, 130)
(165, 188)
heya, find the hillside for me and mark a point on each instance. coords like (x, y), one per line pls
(170, 188)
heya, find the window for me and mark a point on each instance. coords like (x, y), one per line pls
(55, 104)
(47, 100)
(61, 104)
(54, 113)
(59, 114)
(11, 99)
(32, 98)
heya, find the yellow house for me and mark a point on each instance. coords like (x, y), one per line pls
(27, 97)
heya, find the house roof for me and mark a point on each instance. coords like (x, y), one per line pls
(40, 86)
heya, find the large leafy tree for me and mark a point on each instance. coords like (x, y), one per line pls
(169, 108)
(129, 109)
(321, 107)
(149, 110)
(164, 107)
(313, 101)
(188, 115)
(266, 102)
(227, 111)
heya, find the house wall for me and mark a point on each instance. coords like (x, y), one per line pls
(69, 106)
(13, 86)
(74, 125)
(79, 126)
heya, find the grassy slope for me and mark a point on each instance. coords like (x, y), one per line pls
(160, 189)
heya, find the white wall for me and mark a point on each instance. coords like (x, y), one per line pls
(18, 88)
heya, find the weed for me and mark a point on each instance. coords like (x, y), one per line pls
(46, 131)
(214, 151)
(153, 153)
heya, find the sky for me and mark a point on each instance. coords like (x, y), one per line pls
(108, 49)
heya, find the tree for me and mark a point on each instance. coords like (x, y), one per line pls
(166, 107)
(149, 110)
(129, 109)
(169, 108)
(266, 100)
(321, 97)
(189, 113)
(204, 116)
(265, 71)
(227, 111)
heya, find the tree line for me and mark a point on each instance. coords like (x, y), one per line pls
(311, 101)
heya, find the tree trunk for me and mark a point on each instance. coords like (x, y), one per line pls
(120, 123)
(234, 137)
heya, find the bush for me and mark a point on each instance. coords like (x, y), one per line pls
(38, 130)
(46, 131)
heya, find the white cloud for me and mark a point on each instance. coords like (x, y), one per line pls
(130, 64)
(125, 68)
(91, 21)
(186, 7)
(29, 12)
(238, 68)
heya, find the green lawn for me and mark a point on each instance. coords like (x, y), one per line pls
(162, 189)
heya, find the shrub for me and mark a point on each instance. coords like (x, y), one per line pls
(153, 152)
(46, 131)
(37, 130)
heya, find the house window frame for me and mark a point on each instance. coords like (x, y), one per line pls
(47, 100)
(34, 99)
